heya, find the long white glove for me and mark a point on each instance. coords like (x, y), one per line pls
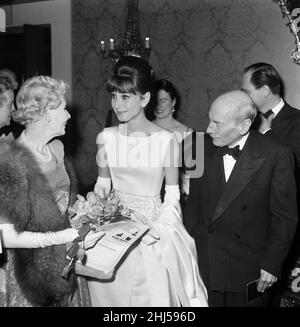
(185, 183)
(103, 186)
(172, 196)
(11, 239)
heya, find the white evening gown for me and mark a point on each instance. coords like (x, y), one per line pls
(164, 274)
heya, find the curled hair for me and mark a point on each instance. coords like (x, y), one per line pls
(131, 75)
(11, 76)
(37, 95)
(265, 74)
(5, 85)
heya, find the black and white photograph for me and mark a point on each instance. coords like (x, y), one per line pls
(149, 156)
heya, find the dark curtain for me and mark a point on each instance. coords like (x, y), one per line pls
(37, 50)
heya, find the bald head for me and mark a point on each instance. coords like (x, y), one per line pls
(238, 104)
(231, 116)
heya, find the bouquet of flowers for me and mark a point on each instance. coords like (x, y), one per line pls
(91, 213)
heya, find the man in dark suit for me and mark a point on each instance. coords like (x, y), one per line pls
(277, 118)
(242, 211)
(281, 122)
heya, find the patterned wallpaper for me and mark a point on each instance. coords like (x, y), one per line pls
(202, 46)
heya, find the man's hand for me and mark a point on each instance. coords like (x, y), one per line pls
(265, 123)
(266, 280)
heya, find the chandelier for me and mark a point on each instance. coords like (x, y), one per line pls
(131, 44)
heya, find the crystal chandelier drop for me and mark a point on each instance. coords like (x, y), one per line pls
(131, 44)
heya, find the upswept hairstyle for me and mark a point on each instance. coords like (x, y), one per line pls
(265, 74)
(5, 85)
(11, 76)
(131, 75)
(37, 95)
(164, 84)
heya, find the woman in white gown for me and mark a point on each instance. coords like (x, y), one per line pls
(161, 270)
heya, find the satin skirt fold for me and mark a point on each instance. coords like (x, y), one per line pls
(162, 274)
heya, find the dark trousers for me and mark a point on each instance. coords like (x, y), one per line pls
(234, 299)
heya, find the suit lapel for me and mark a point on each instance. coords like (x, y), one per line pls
(243, 172)
(215, 174)
(282, 117)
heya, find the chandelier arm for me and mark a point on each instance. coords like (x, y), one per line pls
(295, 54)
(132, 44)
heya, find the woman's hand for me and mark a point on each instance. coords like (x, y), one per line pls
(103, 186)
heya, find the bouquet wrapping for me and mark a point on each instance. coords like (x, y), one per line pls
(120, 229)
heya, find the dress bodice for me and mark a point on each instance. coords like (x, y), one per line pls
(137, 162)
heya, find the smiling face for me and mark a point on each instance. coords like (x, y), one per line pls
(165, 105)
(58, 118)
(128, 106)
(6, 107)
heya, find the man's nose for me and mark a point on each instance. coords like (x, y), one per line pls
(209, 128)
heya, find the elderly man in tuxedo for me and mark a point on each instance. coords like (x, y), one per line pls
(242, 211)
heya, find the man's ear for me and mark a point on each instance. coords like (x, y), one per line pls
(245, 126)
(145, 99)
(265, 90)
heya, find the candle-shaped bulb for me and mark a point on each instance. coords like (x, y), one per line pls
(147, 42)
(111, 44)
(102, 46)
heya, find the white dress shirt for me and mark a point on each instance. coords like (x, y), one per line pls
(229, 161)
(275, 110)
(278, 107)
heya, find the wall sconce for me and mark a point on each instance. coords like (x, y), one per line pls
(131, 43)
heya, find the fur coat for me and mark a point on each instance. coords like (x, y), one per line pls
(27, 201)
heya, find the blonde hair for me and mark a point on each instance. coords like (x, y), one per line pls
(37, 95)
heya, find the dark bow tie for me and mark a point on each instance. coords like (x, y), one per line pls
(234, 152)
(268, 113)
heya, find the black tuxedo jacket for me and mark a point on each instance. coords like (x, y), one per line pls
(286, 129)
(246, 224)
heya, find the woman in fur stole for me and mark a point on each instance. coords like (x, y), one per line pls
(34, 197)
